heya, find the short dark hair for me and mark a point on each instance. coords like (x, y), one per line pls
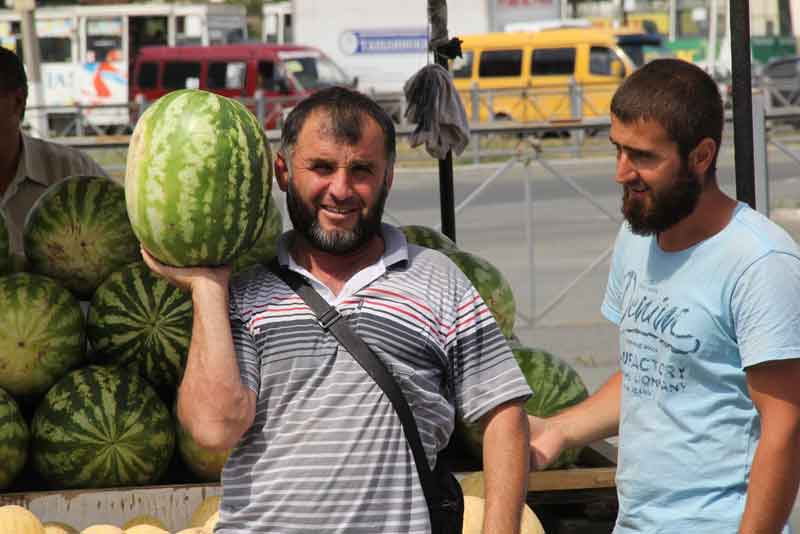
(12, 72)
(346, 108)
(677, 95)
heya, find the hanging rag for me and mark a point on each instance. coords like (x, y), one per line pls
(433, 104)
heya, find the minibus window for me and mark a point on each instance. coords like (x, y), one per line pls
(181, 75)
(148, 73)
(600, 60)
(499, 63)
(226, 75)
(462, 66)
(553, 62)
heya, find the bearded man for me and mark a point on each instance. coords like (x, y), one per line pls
(705, 292)
(317, 445)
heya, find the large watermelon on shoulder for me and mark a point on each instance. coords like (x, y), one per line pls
(426, 236)
(5, 245)
(139, 321)
(101, 427)
(41, 333)
(492, 286)
(78, 233)
(266, 246)
(13, 440)
(556, 386)
(198, 179)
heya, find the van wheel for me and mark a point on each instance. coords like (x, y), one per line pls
(502, 117)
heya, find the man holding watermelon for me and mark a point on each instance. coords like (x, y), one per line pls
(705, 291)
(317, 446)
(28, 165)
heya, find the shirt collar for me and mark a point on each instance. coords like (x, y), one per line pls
(31, 163)
(394, 241)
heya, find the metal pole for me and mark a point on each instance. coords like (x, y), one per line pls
(742, 101)
(761, 176)
(30, 45)
(437, 13)
(711, 51)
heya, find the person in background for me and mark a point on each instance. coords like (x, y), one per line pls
(706, 294)
(317, 446)
(28, 166)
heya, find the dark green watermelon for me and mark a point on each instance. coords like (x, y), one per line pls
(556, 386)
(426, 236)
(41, 333)
(78, 233)
(101, 427)
(140, 321)
(14, 437)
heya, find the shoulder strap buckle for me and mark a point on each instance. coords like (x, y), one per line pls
(329, 317)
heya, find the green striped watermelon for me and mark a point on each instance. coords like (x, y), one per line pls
(266, 246)
(101, 427)
(198, 178)
(14, 437)
(140, 321)
(5, 245)
(556, 386)
(492, 286)
(206, 464)
(41, 333)
(425, 236)
(78, 232)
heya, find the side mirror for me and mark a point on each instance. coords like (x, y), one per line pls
(282, 85)
(354, 83)
(617, 68)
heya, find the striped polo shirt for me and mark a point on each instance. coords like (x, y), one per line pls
(326, 451)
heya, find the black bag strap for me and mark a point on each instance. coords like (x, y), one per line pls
(329, 318)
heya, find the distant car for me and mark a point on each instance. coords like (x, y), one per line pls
(781, 78)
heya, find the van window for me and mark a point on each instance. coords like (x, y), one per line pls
(315, 72)
(226, 75)
(148, 75)
(498, 63)
(181, 75)
(462, 66)
(553, 62)
(600, 60)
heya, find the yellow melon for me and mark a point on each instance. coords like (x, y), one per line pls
(472, 484)
(145, 529)
(18, 520)
(205, 510)
(473, 518)
(54, 527)
(102, 529)
(211, 522)
(144, 519)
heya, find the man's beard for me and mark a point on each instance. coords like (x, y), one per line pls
(666, 208)
(339, 242)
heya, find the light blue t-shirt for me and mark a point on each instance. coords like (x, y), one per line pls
(690, 322)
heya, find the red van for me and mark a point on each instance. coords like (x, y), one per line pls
(284, 74)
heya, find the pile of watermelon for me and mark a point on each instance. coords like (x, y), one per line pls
(93, 345)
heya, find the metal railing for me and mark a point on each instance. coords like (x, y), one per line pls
(524, 147)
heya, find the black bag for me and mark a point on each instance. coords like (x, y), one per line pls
(442, 490)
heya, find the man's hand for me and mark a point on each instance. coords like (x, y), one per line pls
(546, 442)
(187, 278)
